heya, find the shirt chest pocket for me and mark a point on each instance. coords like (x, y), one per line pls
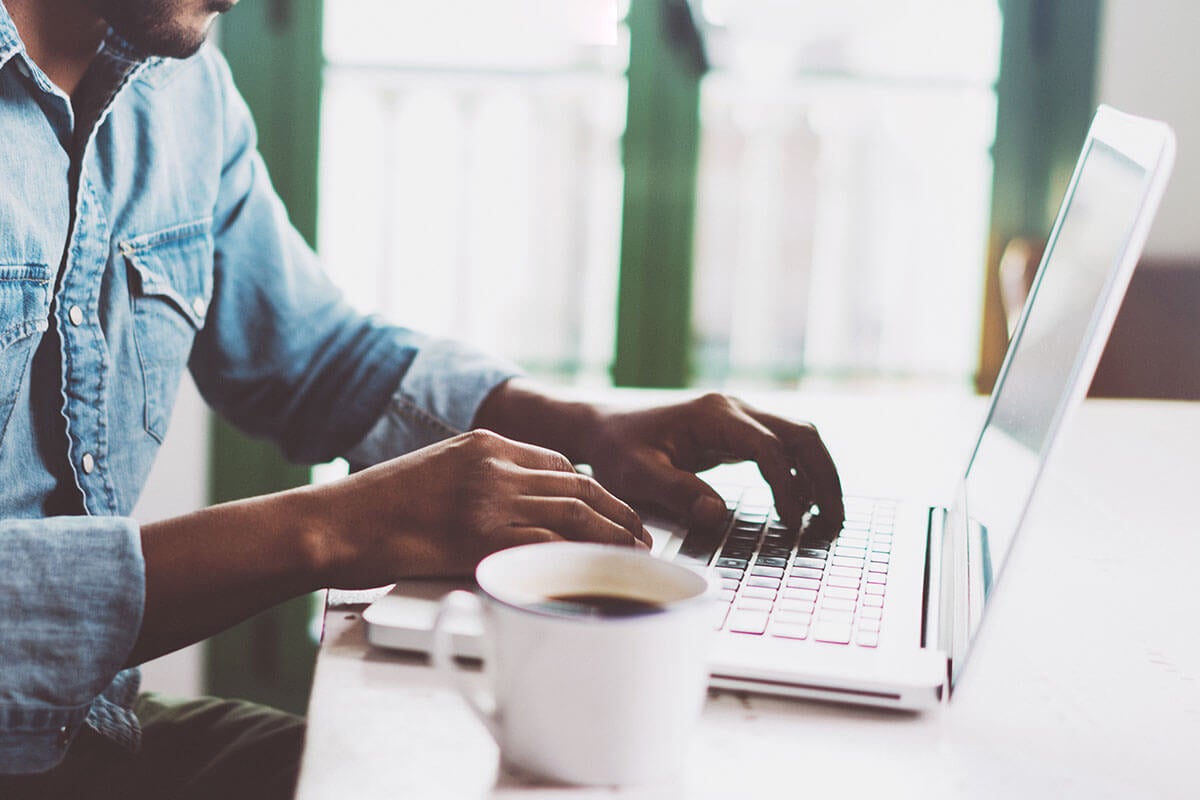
(24, 314)
(170, 286)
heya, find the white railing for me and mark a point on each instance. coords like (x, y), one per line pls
(841, 229)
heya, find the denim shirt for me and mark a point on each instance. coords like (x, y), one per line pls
(139, 236)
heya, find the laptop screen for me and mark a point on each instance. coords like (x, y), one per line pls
(1049, 349)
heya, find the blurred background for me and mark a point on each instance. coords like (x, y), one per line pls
(741, 194)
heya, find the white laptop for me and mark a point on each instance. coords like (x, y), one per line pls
(884, 612)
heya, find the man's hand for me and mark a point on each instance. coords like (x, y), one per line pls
(649, 456)
(439, 510)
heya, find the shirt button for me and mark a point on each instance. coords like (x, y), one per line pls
(89, 463)
(64, 736)
(75, 314)
(199, 307)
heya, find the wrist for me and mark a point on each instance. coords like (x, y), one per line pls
(323, 552)
(518, 410)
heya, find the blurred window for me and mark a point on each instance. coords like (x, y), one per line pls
(471, 180)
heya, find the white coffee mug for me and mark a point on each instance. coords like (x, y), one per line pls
(573, 692)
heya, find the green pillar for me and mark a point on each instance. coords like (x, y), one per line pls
(661, 148)
(274, 50)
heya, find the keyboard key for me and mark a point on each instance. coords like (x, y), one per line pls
(787, 630)
(754, 603)
(867, 639)
(795, 611)
(760, 592)
(730, 583)
(836, 604)
(730, 573)
(833, 632)
(871, 615)
(811, 563)
(733, 563)
(775, 552)
(802, 583)
(748, 621)
(795, 596)
(872, 601)
(767, 561)
(744, 553)
(766, 572)
(874, 588)
(812, 552)
(882, 558)
(846, 572)
(841, 592)
(805, 572)
(757, 499)
(849, 548)
(766, 583)
(876, 577)
(845, 583)
(834, 616)
(727, 595)
(876, 566)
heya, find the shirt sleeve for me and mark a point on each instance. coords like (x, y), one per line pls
(283, 355)
(72, 591)
(438, 397)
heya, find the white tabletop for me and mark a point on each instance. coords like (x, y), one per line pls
(1085, 681)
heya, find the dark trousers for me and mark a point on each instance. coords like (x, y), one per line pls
(192, 749)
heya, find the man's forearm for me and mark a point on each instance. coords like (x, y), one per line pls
(211, 569)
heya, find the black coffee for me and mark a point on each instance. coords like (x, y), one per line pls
(598, 605)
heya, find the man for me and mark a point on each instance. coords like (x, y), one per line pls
(139, 234)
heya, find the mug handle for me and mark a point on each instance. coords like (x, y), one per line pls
(460, 604)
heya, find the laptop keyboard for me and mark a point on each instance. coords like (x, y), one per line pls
(776, 581)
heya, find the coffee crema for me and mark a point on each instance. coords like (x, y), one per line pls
(597, 604)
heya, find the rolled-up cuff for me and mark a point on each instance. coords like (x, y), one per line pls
(437, 398)
(72, 592)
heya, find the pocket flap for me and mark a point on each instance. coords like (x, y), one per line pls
(176, 265)
(24, 300)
